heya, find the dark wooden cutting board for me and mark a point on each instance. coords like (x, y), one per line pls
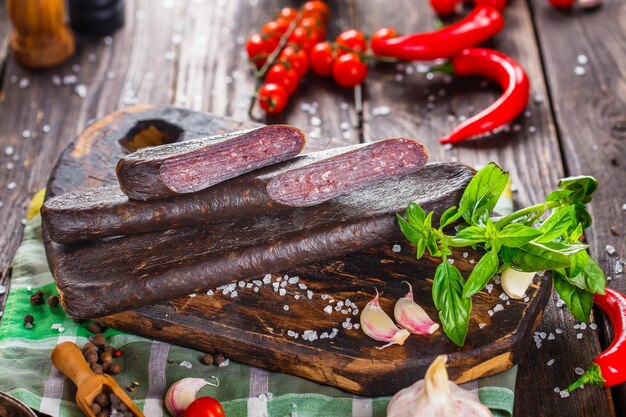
(258, 325)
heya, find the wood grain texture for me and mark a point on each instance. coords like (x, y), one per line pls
(591, 113)
(254, 327)
(428, 109)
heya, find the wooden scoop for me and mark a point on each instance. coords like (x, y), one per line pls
(68, 358)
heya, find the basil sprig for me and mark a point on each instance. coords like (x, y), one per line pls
(520, 240)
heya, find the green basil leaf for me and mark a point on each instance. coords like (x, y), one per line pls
(431, 244)
(559, 195)
(590, 277)
(578, 262)
(420, 247)
(516, 234)
(410, 233)
(469, 236)
(534, 256)
(428, 221)
(415, 214)
(576, 234)
(482, 273)
(449, 216)
(581, 187)
(557, 224)
(482, 193)
(583, 215)
(578, 301)
(454, 309)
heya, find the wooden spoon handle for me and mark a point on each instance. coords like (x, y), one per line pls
(68, 358)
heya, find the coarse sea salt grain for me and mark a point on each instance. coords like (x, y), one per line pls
(233, 294)
(286, 307)
(267, 279)
(309, 294)
(579, 371)
(583, 326)
(579, 335)
(551, 336)
(557, 390)
(396, 248)
(490, 312)
(550, 362)
(328, 309)
(481, 325)
(610, 249)
(209, 292)
(302, 286)
(593, 326)
(282, 292)
(498, 307)
(186, 364)
(564, 394)
(293, 280)
(3, 289)
(558, 331)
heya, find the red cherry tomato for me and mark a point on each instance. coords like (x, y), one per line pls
(443, 7)
(301, 38)
(260, 46)
(322, 58)
(297, 58)
(288, 13)
(349, 70)
(276, 27)
(288, 78)
(310, 24)
(272, 98)
(205, 407)
(316, 8)
(498, 4)
(352, 39)
(562, 4)
(384, 34)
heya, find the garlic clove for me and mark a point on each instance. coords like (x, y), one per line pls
(412, 316)
(183, 392)
(379, 326)
(515, 283)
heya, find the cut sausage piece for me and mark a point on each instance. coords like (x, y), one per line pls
(106, 212)
(110, 276)
(193, 165)
(314, 184)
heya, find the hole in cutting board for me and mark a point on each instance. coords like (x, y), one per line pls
(150, 133)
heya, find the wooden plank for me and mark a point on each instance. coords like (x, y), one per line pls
(427, 109)
(590, 112)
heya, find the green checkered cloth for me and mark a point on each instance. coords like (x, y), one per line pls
(27, 373)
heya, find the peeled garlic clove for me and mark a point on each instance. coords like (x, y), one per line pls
(411, 316)
(515, 283)
(183, 393)
(436, 396)
(379, 326)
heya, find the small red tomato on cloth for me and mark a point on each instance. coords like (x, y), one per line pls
(272, 98)
(205, 407)
(349, 70)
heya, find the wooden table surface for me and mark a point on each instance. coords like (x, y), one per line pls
(190, 53)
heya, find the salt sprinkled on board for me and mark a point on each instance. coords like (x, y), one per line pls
(550, 362)
(302, 286)
(490, 312)
(328, 309)
(381, 111)
(551, 336)
(557, 389)
(293, 280)
(579, 335)
(582, 59)
(233, 294)
(9, 150)
(396, 248)
(286, 307)
(481, 325)
(186, 364)
(225, 363)
(209, 293)
(3, 289)
(558, 331)
(610, 249)
(564, 394)
(593, 326)
(24, 82)
(282, 292)
(579, 371)
(498, 307)
(309, 294)
(583, 326)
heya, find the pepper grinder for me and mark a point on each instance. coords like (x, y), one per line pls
(40, 38)
(96, 18)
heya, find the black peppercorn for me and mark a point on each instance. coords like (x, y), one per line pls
(102, 399)
(106, 357)
(36, 299)
(91, 356)
(99, 340)
(29, 319)
(207, 359)
(115, 368)
(97, 368)
(89, 346)
(218, 359)
(95, 408)
(53, 301)
(95, 328)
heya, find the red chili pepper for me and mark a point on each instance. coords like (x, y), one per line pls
(508, 74)
(609, 368)
(481, 24)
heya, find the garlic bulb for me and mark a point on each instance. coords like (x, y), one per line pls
(515, 283)
(411, 316)
(183, 393)
(379, 326)
(436, 396)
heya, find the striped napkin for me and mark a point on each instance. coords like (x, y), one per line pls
(27, 373)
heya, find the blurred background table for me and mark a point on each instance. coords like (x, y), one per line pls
(190, 53)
